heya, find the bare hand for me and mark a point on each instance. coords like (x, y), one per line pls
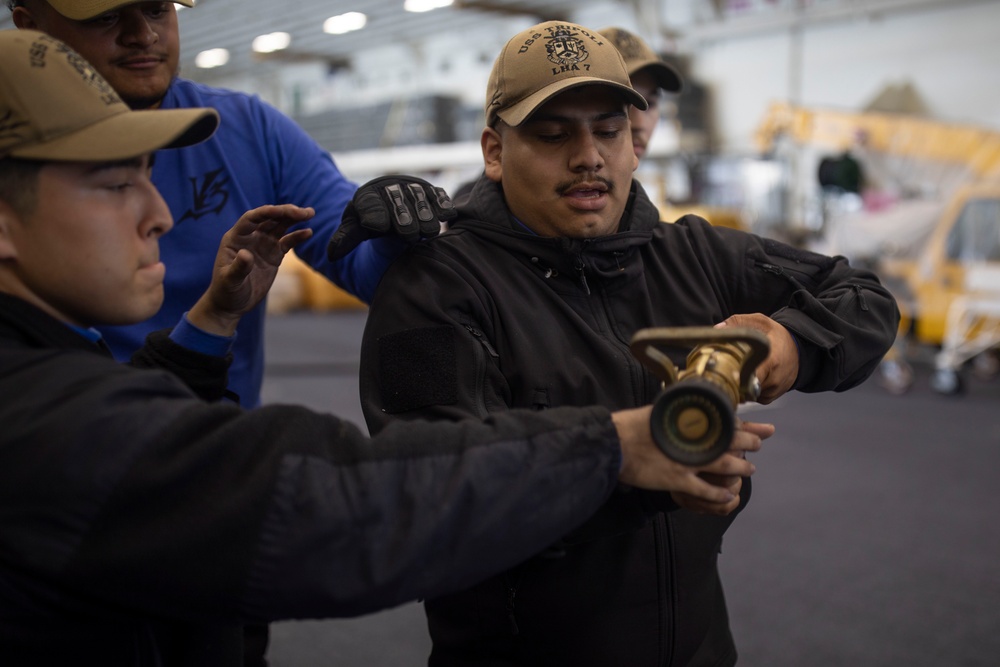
(748, 438)
(778, 371)
(646, 467)
(246, 264)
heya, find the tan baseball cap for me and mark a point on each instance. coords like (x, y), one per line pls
(638, 56)
(539, 63)
(81, 10)
(55, 106)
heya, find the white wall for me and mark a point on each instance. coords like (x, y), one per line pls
(950, 55)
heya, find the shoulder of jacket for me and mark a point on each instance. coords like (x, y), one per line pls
(690, 220)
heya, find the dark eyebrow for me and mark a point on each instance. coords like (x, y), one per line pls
(130, 163)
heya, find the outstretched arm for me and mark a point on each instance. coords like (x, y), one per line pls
(248, 260)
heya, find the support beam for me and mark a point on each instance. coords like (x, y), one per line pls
(512, 9)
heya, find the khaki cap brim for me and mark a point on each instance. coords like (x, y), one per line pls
(126, 135)
(638, 57)
(517, 113)
(666, 77)
(81, 10)
(57, 107)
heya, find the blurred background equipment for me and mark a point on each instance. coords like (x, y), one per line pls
(929, 223)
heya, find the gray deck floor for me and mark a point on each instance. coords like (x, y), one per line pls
(871, 539)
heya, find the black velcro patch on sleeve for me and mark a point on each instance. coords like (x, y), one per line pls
(417, 368)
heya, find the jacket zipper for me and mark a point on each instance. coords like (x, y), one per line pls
(510, 582)
(778, 271)
(484, 345)
(482, 341)
(665, 557)
(771, 268)
(635, 368)
(578, 267)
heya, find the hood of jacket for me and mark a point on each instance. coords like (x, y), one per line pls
(486, 214)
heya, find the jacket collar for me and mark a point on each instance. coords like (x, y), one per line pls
(22, 322)
(485, 214)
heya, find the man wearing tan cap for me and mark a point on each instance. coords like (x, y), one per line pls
(145, 520)
(258, 156)
(649, 75)
(555, 261)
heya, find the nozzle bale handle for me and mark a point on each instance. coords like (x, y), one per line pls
(694, 418)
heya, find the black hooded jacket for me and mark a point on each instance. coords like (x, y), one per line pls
(142, 524)
(489, 317)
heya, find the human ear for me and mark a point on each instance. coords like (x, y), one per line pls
(24, 19)
(8, 218)
(492, 144)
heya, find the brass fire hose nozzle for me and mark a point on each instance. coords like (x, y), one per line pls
(694, 417)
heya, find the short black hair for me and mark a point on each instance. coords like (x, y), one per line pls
(19, 184)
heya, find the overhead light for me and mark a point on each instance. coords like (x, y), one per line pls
(212, 58)
(425, 5)
(271, 42)
(338, 25)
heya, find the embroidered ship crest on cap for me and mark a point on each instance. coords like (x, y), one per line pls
(564, 48)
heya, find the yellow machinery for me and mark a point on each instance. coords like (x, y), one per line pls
(911, 137)
(717, 215)
(949, 293)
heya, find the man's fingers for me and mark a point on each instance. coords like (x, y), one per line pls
(421, 203)
(280, 212)
(408, 206)
(402, 219)
(427, 216)
(728, 465)
(240, 267)
(369, 211)
(350, 233)
(272, 219)
(700, 506)
(445, 206)
(702, 490)
(759, 429)
(293, 239)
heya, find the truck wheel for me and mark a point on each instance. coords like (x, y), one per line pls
(986, 365)
(895, 376)
(945, 381)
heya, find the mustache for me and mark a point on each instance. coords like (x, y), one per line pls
(563, 188)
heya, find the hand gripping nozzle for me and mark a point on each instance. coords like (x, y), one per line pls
(694, 417)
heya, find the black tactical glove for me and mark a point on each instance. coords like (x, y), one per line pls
(408, 207)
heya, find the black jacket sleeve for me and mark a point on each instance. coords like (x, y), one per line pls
(124, 493)
(842, 317)
(204, 374)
